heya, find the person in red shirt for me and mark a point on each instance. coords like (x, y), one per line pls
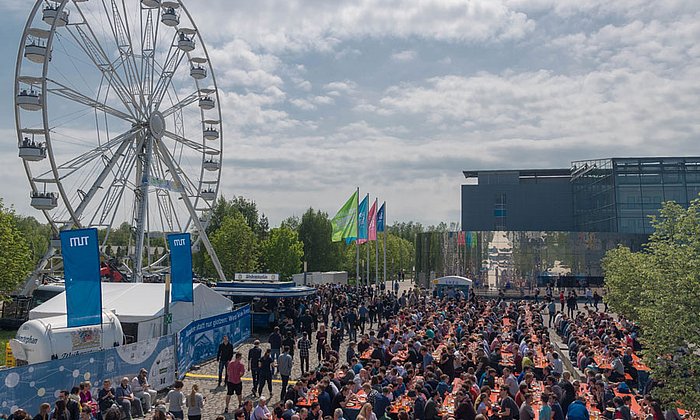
(234, 384)
(562, 300)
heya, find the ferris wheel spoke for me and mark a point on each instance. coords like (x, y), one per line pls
(108, 168)
(71, 166)
(85, 38)
(172, 62)
(188, 100)
(115, 192)
(120, 30)
(149, 37)
(75, 96)
(199, 147)
(167, 159)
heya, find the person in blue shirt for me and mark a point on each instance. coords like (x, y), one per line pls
(381, 403)
(357, 366)
(577, 410)
(557, 412)
(399, 387)
(427, 357)
(443, 386)
(324, 400)
(364, 312)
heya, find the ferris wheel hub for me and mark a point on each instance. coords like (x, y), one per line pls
(156, 123)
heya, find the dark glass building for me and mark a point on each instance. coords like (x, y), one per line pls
(520, 200)
(527, 227)
(603, 195)
(619, 194)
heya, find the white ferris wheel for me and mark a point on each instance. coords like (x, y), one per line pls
(118, 120)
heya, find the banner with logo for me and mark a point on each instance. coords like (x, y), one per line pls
(345, 221)
(381, 215)
(30, 385)
(165, 184)
(81, 267)
(199, 341)
(180, 267)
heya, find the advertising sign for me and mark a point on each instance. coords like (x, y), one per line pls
(180, 267)
(256, 276)
(199, 341)
(81, 267)
(29, 386)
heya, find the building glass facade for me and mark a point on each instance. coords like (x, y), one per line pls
(619, 194)
(498, 259)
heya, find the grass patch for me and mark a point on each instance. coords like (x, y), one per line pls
(5, 336)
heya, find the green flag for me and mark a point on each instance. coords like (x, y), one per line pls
(345, 221)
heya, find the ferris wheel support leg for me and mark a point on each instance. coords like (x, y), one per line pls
(167, 159)
(31, 282)
(142, 210)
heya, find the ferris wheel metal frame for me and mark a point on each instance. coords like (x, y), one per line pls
(140, 165)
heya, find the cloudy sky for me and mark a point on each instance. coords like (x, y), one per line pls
(399, 96)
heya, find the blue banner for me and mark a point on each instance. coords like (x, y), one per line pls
(180, 267)
(380, 218)
(81, 268)
(28, 386)
(362, 211)
(199, 341)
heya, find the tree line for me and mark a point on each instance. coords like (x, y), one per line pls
(659, 289)
(243, 242)
(241, 236)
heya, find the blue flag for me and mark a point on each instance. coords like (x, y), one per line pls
(81, 271)
(180, 267)
(380, 218)
(362, 211)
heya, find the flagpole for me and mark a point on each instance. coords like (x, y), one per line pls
(357, 246)
(357, 269)
(376, 247)
(367, 246)
(385, 233)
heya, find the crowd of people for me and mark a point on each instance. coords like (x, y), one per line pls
(131, 398)
(418, 356)
(410, 356)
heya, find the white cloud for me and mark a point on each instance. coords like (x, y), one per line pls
(314, 104)
(304, 85)
(405, 55)
(320, 25)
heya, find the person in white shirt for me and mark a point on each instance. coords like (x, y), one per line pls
(557, 365)
(142, 390)
(261, 412)
(510, 381)
(523, 348)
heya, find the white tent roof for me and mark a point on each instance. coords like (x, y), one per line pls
(138, 302)
(453, 281)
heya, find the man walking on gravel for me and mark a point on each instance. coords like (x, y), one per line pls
(223, 356)
(284, 367)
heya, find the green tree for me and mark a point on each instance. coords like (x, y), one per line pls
(399, 256)
(15, 255)
(622, 282)
(406, 230)
(247, 208)
(291, 222)
(236, 246)
(282, 252)
(36, 234)
(315, 232)
(659, 288)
